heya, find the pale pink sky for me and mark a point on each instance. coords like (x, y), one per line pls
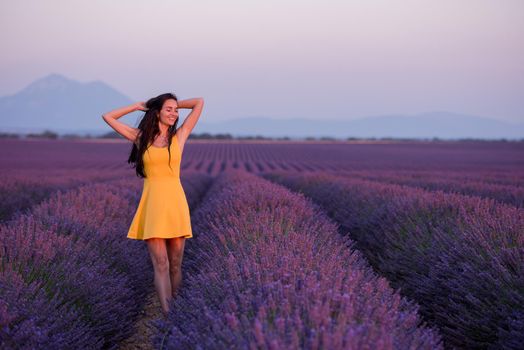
(314, 59)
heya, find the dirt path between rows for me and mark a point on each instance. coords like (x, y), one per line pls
(143, 332)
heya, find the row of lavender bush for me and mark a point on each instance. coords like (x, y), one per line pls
(69, 277)
(504, 193)
(461, 258)
(508, 177)
(268, 270)
(19, 192)
(57, 292)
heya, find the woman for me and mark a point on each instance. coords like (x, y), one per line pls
(162, 217)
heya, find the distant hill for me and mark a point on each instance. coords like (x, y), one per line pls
(63, 105)
(428, 125)
(60, 104)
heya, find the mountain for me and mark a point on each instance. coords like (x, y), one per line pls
(59, 104)
(444, 125)
(62, 105)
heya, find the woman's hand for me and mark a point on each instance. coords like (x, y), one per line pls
(140, 106)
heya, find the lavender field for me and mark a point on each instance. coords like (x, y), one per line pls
(324, 245)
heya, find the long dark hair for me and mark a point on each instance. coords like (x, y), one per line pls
(148, 130)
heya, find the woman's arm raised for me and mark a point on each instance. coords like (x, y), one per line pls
(125, 130)
(196, 104)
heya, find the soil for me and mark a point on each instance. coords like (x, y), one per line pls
(141, 338)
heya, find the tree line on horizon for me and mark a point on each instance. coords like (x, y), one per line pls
(49, 134)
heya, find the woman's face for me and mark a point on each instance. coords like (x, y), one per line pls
(169, 112)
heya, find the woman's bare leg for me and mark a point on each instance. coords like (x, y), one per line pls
(175, 252)
(158, 252)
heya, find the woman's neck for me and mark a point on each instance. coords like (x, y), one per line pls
(163, 129)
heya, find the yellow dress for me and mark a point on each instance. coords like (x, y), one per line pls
(163, 210)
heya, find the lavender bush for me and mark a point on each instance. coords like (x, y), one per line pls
(512, 194)
(72, 252)
(56, 325)
(19, 191)
(459, 257)
(268, 270)
(60, 269)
